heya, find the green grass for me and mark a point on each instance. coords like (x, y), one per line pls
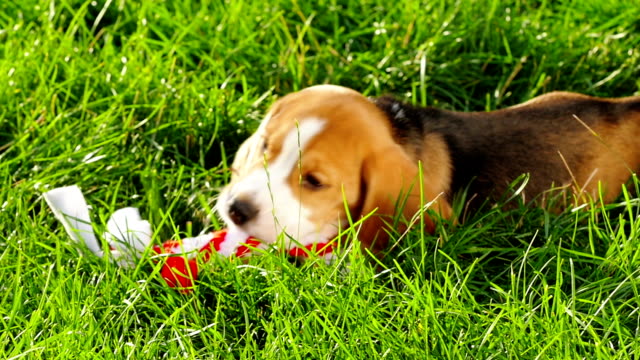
(143, 103)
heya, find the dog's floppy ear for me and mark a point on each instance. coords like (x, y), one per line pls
(391, 184)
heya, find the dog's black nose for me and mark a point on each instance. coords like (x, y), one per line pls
(241, 211)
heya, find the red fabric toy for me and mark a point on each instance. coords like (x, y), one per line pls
(182, 270)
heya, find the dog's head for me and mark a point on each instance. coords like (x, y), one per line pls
(318, 153)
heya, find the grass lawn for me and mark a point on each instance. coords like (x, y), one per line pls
(143, 103)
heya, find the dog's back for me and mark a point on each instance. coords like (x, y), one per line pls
(560, 139)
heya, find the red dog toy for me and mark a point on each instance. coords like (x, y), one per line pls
(182, 270)
(128, 236)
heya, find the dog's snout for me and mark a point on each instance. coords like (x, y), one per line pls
(241, 211)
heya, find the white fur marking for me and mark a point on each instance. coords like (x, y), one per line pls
(278, 209)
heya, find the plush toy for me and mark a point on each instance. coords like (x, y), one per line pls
(128, 236)
(181, 271)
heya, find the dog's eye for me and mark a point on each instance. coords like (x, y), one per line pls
(312, 182)
(265, 146)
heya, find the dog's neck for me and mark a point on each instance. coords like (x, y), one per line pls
(411, 129)
(407, 125)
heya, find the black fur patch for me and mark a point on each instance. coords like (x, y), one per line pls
(407, 121)
(402, 117)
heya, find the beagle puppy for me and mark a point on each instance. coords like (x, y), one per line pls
(327, 154)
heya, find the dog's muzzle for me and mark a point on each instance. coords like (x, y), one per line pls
(242, 211)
